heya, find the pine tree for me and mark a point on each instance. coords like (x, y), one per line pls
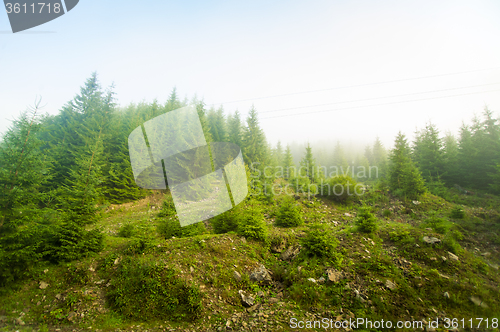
(428, 153)
(404, 178)
(450, 160)
(23, 172)
(234, 128)
(254, 141)
(380, 157)
(217, 124)
(308, 166)
(288, 164)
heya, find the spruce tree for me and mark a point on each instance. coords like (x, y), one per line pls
(288, 164)
(308, 166)
(404, 178)
(23, 172)
(428, 153)
(234, 128)
(254, 141)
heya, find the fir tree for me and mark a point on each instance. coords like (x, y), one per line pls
(288, 164)
(404, 178)
(308, 166)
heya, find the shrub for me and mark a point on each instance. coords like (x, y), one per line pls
(138, 246)
(342, 188)
(457, 213)
(366, 221)
(386, 213)
(251, 224)
(225, 222)
(320, 242)
(167, 208)
(127, 230)
(142, 290)
(171, 227)
(289, 213)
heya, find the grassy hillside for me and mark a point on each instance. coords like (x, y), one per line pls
(332, 266)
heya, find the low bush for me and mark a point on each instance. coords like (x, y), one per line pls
(170, 227)
(366, 221)
(251, 224)
(127, 230)
(142, 290)
(457, 213)
(342, 188)
(289, 214)
(320, 242)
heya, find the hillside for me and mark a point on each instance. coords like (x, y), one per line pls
(226, 282)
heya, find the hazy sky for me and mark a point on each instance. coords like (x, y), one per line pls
(369, 64)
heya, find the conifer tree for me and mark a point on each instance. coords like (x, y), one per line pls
(404, 178)
(254, 141)
(428, 153)
(234, 128)
(23, 172)
(450, 160)
(380, 157)
(308, 165)
(288, 164)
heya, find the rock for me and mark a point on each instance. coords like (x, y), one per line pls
(261, 274)
(278, 248)
(486, 254)
(347, 214)
(431, 240)
(19, 321)
(478, 302)
(46, 270)
(444, 258)
(321, 280)
(390, 285)
(236, 276)
(71, 315)
(452, 256)
(260, 294)
(290, 253)
(312, 280)
(333, 275)
(43, 285)
(416, 202)
(191, 269)
(273, 300)
(58, 296)
(254, 307)
(247, 301)
(91, 269)
(447, 295)
(117, 261)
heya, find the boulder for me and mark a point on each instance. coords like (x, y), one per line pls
(333, 275)
(431, 240)
(261, 274)
(246, 300)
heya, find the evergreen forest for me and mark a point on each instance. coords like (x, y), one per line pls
(408, 232)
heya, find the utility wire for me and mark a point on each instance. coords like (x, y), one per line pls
(376, 98)
(355, 86)
(391, 103)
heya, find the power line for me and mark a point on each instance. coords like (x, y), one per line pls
(375, 98)
(354, 86)
(391, 103)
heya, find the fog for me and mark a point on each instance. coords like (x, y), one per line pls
(317, 72)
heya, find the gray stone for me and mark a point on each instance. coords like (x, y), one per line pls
(71, 315)
(452, 256)
(290, 253)
(431, 240)
(246, 300)
(261, 274)
(477, 301)
(333, 275)
(447, 295)
(312, 280)
(390, 285)
(43, 285)
(236, 276)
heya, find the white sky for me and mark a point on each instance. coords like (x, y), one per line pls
(226, 51)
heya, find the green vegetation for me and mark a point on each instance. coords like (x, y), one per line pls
(409, 233)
